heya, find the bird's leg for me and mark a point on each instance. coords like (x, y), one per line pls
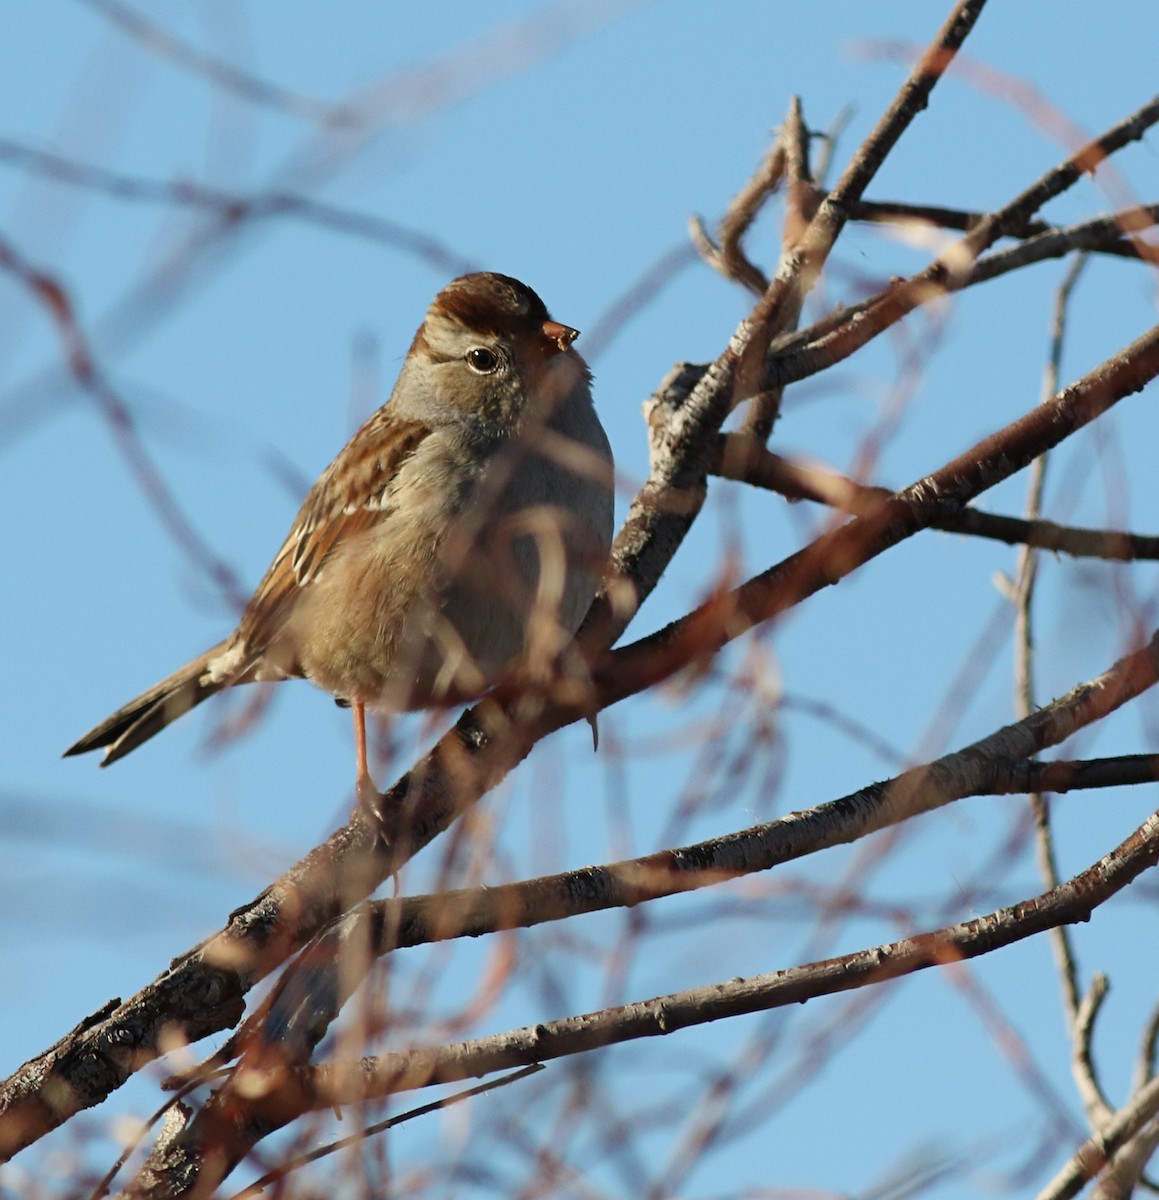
(366, 794)
(364, 787)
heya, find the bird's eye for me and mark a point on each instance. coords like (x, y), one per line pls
(482, 361)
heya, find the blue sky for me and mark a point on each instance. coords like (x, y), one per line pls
(567, 145)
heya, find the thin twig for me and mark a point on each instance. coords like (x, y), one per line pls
(1080, 1014)
(1145, 1065)
(726, 255)
(796, 356)
(801, 201)
(838, 336)
(835, 554)
(829, 140)
(171, 1102)
(234, 206)
(692, 404)
(798, 271)
(635, 298)
(1113, 235)
(55, 300)
(897, 212)
(157, 40)
(1093, 1155)
(302, 1160)
(742, 461)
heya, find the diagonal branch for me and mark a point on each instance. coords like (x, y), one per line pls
(799, 269)
(1113, 233)
(739, 459)
(693, 402)
(726, 255)
(834, 555)
(272, 1098)
(235, 207)
(82, 364)
(1094, 1154)
(158, 40)
(310, 994)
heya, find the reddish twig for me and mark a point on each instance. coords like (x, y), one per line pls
(742, 461)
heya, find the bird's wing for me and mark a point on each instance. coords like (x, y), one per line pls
(351, 495)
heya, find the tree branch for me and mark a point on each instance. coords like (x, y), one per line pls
(742, 461)
(309, 996)
(268, 1098)
(838, 336)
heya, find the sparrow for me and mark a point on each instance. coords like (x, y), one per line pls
(462, 531)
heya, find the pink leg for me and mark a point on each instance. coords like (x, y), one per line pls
(359, 711)
(364, 789)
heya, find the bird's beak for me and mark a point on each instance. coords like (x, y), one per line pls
(561, 335)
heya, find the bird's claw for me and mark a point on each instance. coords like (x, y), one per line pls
(369, 798)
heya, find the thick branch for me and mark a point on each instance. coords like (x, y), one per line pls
(834, 555)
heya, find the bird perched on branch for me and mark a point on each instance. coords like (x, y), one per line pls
(462, 530)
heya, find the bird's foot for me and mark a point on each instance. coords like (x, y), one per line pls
(370, 807)
(369, 799)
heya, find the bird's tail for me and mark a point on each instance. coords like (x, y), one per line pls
(140, 719)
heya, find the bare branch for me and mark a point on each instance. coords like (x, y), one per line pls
(740, 460)
(493, 737)
(281, 1096)
(262, 1098)
(309, 996)
(801, 203)
(285, 1168)
(726, 255)
(621, 310)
(204, 991)
(1145, 1066)
(1093, 1155)
(800, 268)
(221, 74)
(835, 554)
(693, 402)
(54, 298)
(837, 337)
(1080, 1013)
(233, 206)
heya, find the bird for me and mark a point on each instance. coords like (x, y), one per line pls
(463, 529)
